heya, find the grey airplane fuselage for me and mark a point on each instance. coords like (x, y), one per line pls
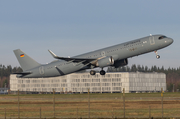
(118, 52)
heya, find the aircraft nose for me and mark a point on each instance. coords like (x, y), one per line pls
(170, 40)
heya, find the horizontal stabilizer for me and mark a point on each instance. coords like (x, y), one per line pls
(20, 75)
(23, 73)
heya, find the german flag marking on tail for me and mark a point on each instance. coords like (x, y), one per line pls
(22, 55)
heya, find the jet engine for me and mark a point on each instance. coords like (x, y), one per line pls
(120, 63)
(104, 62)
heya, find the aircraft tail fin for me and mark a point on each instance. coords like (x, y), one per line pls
(25, 61)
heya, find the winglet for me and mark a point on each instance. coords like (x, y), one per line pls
(54, 55)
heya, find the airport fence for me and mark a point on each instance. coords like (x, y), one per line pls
(90, 106)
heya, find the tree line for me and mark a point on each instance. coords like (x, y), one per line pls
(172, 74)
(5, 72)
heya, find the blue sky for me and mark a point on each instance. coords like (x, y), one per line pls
(73, 27)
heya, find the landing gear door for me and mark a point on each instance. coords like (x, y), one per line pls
(151, 40)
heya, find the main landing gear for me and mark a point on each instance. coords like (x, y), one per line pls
(92, 72)
(157, 56)
(102, 72)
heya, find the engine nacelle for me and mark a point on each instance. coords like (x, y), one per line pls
(120, 63)
(104, 62)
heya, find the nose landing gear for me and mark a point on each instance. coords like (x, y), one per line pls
(157, 56)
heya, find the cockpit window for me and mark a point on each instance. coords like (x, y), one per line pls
(161, 37)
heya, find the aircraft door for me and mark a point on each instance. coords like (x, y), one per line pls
(41, 70)
(151, 40)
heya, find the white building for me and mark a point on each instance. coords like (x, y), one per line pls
(81, 82)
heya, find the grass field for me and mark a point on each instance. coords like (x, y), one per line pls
(103, 105)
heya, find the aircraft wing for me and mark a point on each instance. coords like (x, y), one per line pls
(83, 60)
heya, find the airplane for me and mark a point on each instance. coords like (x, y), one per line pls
(116, 56)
